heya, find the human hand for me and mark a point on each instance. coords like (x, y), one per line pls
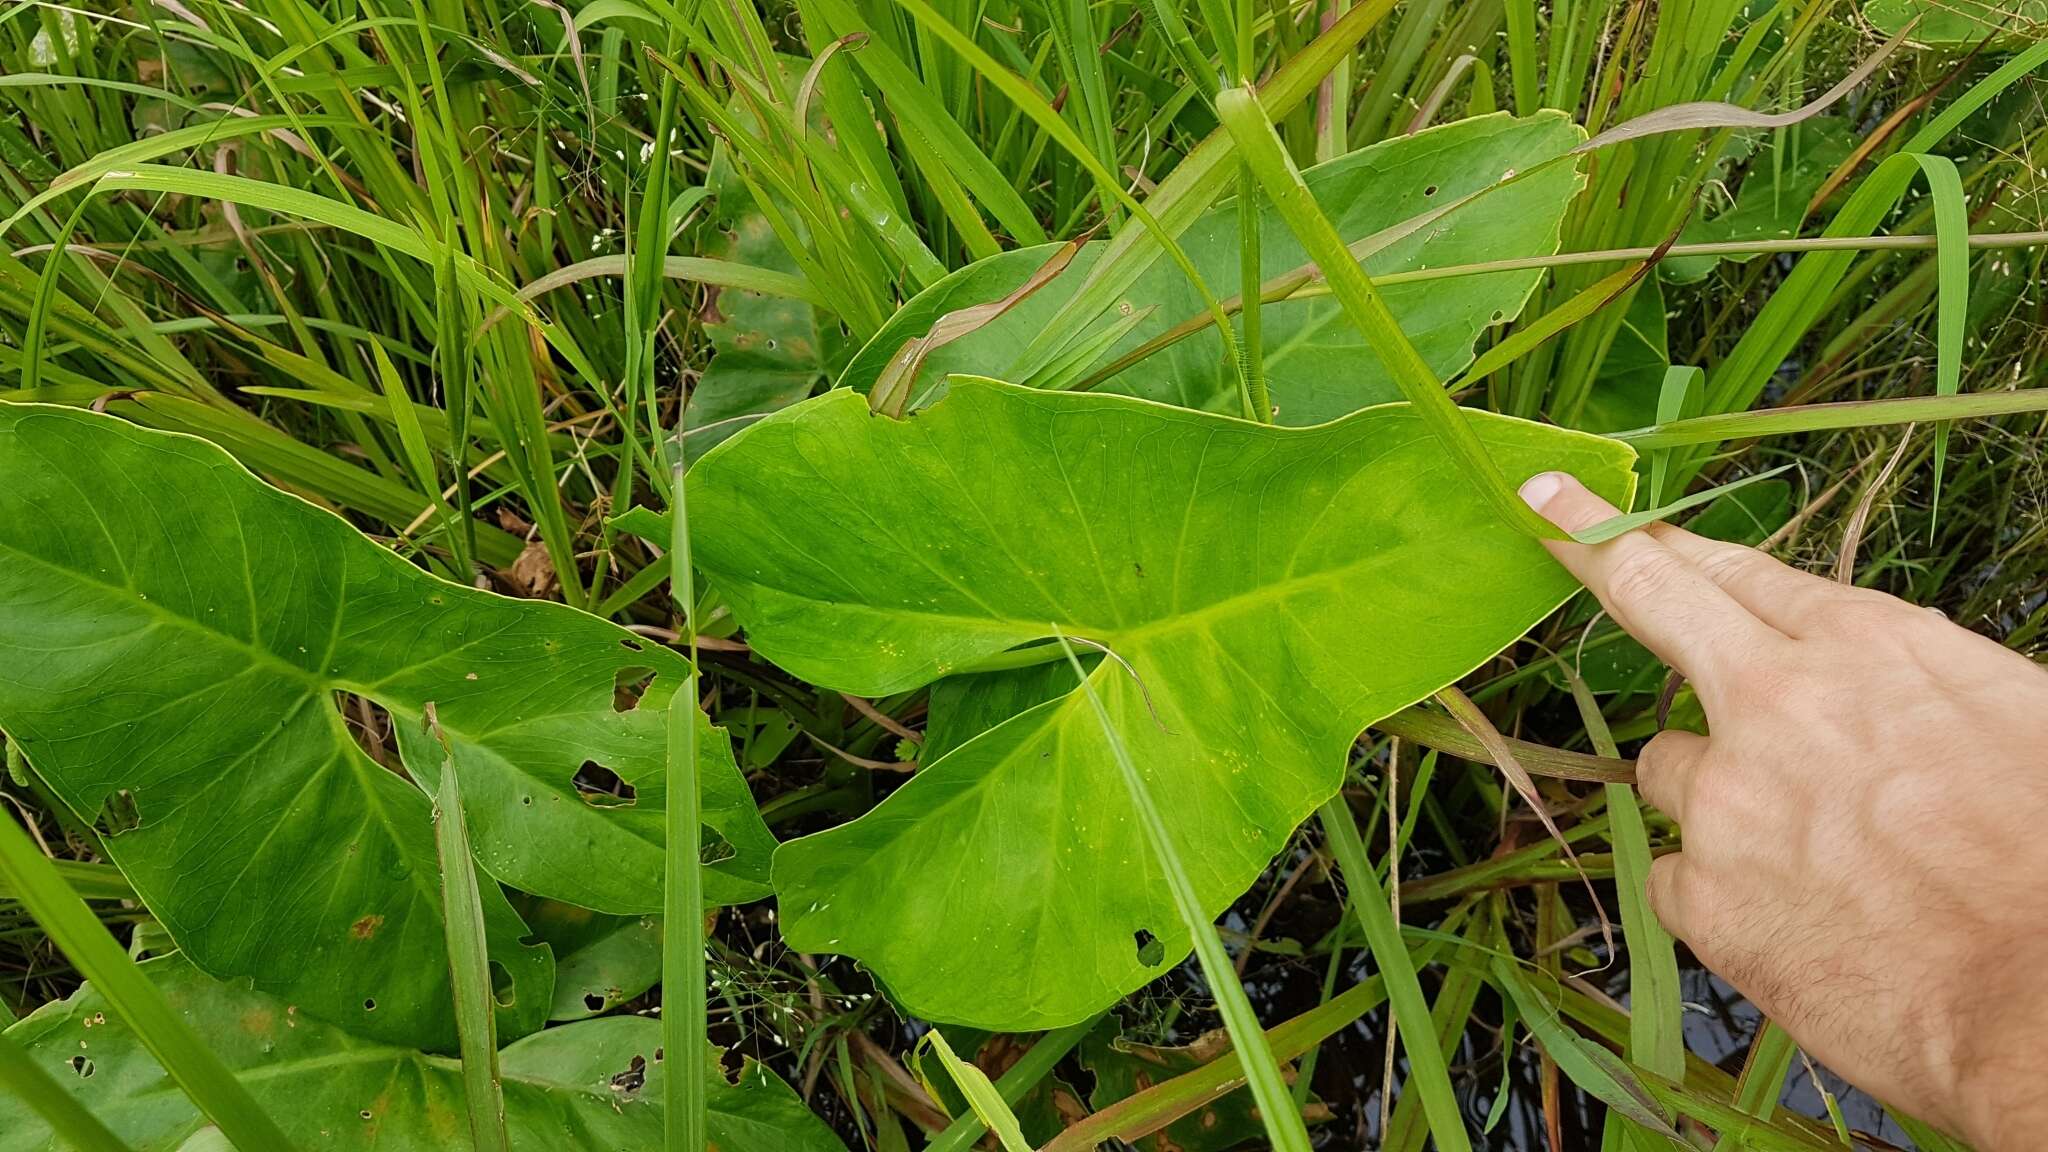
(1865, 828)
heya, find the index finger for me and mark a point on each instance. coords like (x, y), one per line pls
(1652, 591)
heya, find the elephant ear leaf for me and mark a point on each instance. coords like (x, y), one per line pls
(177, 641)
(597, 1079)
(1317, 365)
(1267, 593)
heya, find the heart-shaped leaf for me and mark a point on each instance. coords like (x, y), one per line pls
(593, 1084)
(1317, 365)
(1267, 593)
(175, 637)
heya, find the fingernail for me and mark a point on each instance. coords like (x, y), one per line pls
(1537, 490)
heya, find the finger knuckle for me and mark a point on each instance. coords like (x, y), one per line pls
(1678, 900)
(1644, 575)
(1766, 684)
(1658, 763)
(1865, 616)
(1727, 563)
(1726, 811)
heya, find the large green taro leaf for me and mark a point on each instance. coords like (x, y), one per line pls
(1272, 590)
(590, 1085)
(174, 635)
(1317, 365)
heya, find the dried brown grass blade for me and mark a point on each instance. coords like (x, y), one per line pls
(1717, 114)
(1465, 712)
(1852, 529)
(890, 394)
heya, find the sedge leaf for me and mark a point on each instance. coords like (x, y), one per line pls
(1593, 1068)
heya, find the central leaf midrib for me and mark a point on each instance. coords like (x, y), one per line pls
(1128, 637)
(371, 1053)
(128, 594)
(314, 681)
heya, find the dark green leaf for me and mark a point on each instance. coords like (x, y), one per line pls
(1624, 394)
(180, 635)
(768, 351)
(601, 961)
(593, 1084)
(1317, 366)
(1773, 196)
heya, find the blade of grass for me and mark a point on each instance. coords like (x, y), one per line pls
(1151, 1109)
(1841, 414)
(893, 386)
(453, 364)
(1368, 900)
(149, 148)
(918, 110)
(1302, 283)
(1952, 306)
(987, 1105)
(684, 1026)
(1737, 382)
(1656, 1022)
(469, 965)
(1432, 730)
(1588, 1065)
(1029, 1070)
(1408, 1127)
(1196, 181)
(412, 436)
(1614, 526)
(1482, 729)
(1678, 398)
(1260, 145)
(1523, 72)
(683, 1008)
(700, 269)
(90, 881)
(1072, 27)
(85, 941)
(1283, 1123)
(1028, 101)
(1250, 346)
(1525, 338)
(1763, 1078)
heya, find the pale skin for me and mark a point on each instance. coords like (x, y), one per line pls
(1864, 830)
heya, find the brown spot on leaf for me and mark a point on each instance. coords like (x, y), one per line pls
(366, 928)
(259, 1022)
